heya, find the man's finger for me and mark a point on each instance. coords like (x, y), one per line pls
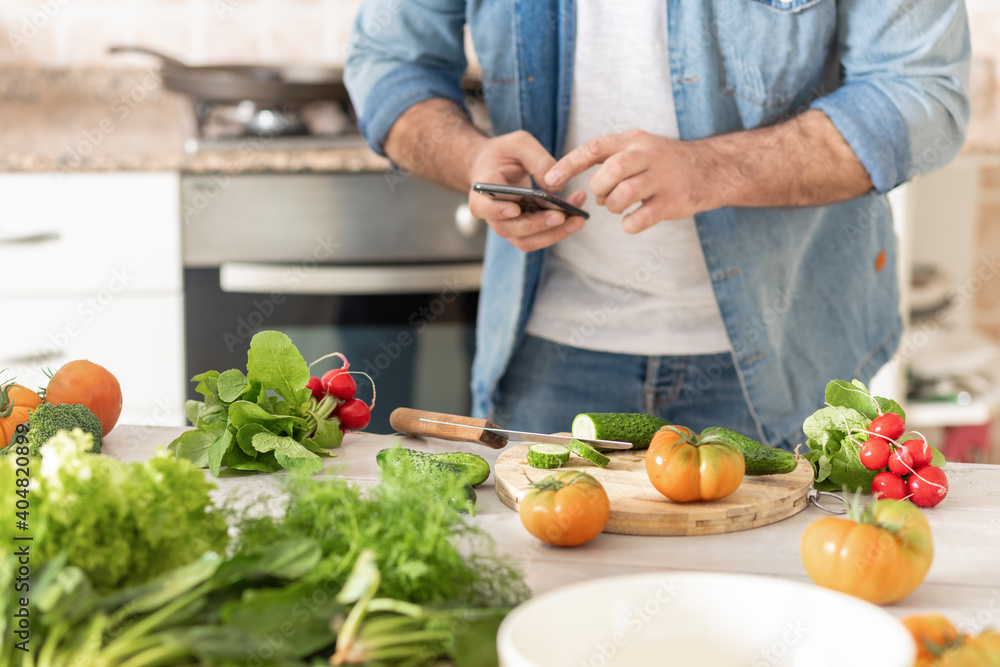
(544, 239)
(526, 150)
(615, 170)
(582, 158)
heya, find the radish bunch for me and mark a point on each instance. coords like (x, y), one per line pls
(353, 413)
(904, 465)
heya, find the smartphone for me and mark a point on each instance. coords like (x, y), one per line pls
(528, 199)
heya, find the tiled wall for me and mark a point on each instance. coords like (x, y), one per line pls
(77, 33)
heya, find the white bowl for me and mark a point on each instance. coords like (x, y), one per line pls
(701, 619)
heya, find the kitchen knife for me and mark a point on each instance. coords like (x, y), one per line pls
(466, 429)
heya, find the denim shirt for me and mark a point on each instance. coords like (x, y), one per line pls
(807, 294)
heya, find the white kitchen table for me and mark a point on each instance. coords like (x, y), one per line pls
(963, 582)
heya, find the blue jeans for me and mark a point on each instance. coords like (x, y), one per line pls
(547, 384)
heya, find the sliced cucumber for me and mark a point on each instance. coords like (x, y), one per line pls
(542, 455)
(637, 428)
(586, 451)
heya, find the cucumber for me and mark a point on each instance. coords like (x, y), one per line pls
(542, 455)
(440, 476)
(637, 428)
(760, 459)
(474, 464)
(586, 451)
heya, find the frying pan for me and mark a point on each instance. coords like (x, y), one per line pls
(231, 84)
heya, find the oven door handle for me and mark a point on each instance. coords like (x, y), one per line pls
(307, 278)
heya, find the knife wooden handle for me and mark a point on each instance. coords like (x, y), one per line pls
(407, 421)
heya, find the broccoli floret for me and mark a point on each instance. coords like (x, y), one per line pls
(48, 419)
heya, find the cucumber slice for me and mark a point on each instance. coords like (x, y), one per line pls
(586, 451)
(543, 455)
(637, 428)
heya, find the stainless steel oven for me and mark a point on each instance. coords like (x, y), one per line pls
(339, 262)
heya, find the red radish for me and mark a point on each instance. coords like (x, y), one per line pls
(890, 426)
(329, 375)
(354, 414)
(342, 386)
(888, 485)
(315, 385)
(921, 452)
(901, 461)
(875, 453)
(928, 485)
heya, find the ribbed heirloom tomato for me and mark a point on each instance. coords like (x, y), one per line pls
(880, 556)
(686, 467)
(940, 644)
(565, 509)
(16, 406)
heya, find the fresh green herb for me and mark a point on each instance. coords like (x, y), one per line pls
(836, 432)
(120, 523)
(264, 421)
(425, 549)
(392, 576)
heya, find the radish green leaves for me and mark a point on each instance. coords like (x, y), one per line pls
(263, 421)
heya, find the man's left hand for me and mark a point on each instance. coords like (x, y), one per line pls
(663, 174)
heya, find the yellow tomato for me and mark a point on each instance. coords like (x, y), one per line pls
(880, 557)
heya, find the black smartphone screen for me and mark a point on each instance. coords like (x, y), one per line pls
(528, 199)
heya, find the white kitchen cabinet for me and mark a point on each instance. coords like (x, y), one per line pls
(94, 270)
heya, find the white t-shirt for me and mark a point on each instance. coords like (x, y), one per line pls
(603, 289)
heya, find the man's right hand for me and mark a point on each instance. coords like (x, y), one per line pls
(510, 159)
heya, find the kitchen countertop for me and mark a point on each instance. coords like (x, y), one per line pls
(963, 582)
(122, 120)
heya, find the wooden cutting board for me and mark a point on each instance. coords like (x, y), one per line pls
(639, 509)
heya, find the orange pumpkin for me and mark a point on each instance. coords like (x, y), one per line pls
(16, 404)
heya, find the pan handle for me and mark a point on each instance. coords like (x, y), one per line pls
(128, 48)
(408, 421)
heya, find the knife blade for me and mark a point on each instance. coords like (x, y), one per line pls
(548, 438)
(467, 429)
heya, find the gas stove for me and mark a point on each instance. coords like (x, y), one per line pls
(320, 125)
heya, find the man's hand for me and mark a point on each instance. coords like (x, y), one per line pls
(436, 140)
(511, 159)
(636, 167)
(803, 161)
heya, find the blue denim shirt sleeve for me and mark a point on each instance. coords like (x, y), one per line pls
(904, 104)
(388, 70)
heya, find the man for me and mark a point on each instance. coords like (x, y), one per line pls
(749, 145)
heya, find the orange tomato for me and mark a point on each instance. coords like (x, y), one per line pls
(16, 405)
(89, 384)
(940, 644)
(933, 635)
(685, 467)
(565, 509)
(983, 650)
(881, 556)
